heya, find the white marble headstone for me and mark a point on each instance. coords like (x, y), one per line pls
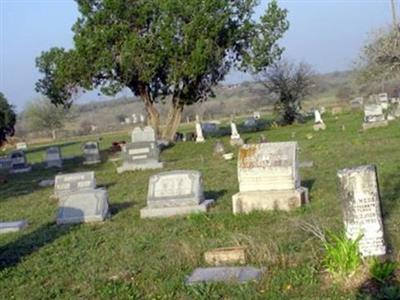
(146, 134)
(268, 166)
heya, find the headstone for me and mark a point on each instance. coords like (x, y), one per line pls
(5, 163)
(318, 122)
(71, 183)
(373, 116)
(225, 274)
(224, 256)
(269, 178)
(257, 115)
(359, 191)
(383, 100)
(21, 146)
(145, 134)
(175, 193)
(46, 182)
(235, 136)
(219, 148)
(142, 119)
(250, 123)
(143, 153)
(19, 163)
(53, 158)
(6, 227)
(199, 133)
(83, 207)
(91, 153)
(209, 128)
(357, 103)
(127, 121)
(134, 119)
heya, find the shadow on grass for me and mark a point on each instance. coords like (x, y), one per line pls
(374, 290)
(214, 195)
(116, 208)
(309, 183)
(12, 253)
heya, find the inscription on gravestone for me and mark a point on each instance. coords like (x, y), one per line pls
(361, 208)
(70, 183)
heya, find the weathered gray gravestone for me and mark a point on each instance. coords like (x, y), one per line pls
(225, 274)
(359, 191)
(175, 193)
(269, 178)
(91, 153)
(143, 153)
(19, 163)
(53, 158)
(374, 117)
(79, 199)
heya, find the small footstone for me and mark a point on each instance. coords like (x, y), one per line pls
(6, 227)
(225, 274)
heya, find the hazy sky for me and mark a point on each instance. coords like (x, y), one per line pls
(325, 33)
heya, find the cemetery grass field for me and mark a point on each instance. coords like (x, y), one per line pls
(130, 258)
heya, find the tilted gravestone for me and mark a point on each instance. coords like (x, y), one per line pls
(374, 116)
(91, 153)
(79, 199)
(143, 153)
(53, 158)
(175, 193)
(269, 178)
(359, 191)
(19, 163)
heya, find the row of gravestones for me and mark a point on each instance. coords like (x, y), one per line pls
(17, 162)
(269, 179)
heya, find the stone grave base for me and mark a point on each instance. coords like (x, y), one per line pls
(236, 142)
(6, 227)
(319, 126)
(225, 274)
(140, 166)
(54, 164)
(164, 212)
(377, 124)
(91, 162)
(245, 202)
(22, 170)
(83, 207)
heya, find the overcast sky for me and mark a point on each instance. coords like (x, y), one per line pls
(327, 34)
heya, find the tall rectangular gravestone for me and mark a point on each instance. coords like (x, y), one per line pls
(79, 199)
(53, 158)
(175, 193)
(142, 153)
(269, 178)
(91, 153)
(359, 192)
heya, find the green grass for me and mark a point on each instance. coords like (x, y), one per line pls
(130, 258)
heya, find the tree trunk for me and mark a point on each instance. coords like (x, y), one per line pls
(173, 120)
(152, 113)
(53, 134)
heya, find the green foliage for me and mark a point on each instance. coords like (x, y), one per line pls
(382, 271)
(159, 48)
(42, 115)
(342, 257)
(380, 57)
(7, 119)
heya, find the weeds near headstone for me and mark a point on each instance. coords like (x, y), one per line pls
(382, 271)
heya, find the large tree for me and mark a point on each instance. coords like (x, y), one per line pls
(42, 115)
(290, 83)
(380, 57)
(163, 50)
(7, 119)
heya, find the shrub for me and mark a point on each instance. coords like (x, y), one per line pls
(342, 257)
(382, 271)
